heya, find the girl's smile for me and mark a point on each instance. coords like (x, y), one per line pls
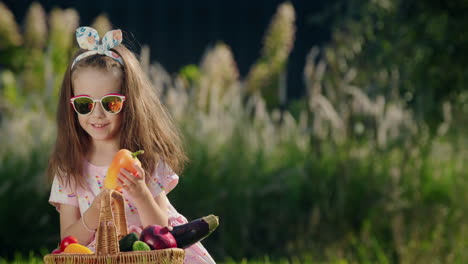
(99, 126)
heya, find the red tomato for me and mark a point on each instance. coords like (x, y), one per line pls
(57, 251)
(67, 241)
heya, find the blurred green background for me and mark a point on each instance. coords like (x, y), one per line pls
(367, 166)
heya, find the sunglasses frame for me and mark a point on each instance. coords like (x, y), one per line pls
(72, 100)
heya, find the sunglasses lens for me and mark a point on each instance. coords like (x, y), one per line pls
(112, 104)
(83, 105)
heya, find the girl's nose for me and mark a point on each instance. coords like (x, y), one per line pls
(98, 111)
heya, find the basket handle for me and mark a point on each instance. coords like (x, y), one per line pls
(112, 224)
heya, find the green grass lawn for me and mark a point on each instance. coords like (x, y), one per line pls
(31, 258)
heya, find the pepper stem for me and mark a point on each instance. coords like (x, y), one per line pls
(136, 153)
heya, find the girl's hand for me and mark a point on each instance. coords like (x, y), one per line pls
(134, 184)
(91, 216)
(95, 207)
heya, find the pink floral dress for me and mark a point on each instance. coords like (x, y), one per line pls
(162, 179)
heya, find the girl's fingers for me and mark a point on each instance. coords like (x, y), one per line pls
(128, 175)
(125, 182)
(140, 171)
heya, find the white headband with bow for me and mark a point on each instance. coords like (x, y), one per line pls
(88, 39)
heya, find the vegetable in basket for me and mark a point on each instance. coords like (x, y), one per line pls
(123, 159)
(140, 246)
(66, 241)
(126, 242)
(158, 237)
(77, 249)
(194, 231)
(57, 251)
(69, 244)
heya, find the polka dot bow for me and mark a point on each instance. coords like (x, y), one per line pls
(88, 39)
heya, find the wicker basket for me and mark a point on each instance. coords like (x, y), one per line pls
(112, 227)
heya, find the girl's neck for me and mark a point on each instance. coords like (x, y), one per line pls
(102, 153)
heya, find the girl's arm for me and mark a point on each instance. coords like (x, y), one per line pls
(71, 224)
(151, 210)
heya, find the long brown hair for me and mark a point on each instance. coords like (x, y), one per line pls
(146, 124)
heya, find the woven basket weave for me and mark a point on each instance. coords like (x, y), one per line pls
(112, 227)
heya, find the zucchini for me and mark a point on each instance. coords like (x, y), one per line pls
(126, 242)
(194, 231)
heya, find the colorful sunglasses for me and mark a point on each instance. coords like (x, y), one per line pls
(111, 103)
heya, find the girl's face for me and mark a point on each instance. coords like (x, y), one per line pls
(99, 124)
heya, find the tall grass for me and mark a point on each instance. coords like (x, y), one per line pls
(316, 183)
(28, 221)
(349, 176)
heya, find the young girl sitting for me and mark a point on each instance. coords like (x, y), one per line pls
(106, 104)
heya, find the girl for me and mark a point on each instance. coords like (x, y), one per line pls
(107, 103)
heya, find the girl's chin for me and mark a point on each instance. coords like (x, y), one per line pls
(101, 135)
(106, 140)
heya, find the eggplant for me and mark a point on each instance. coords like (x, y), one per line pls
(194, 231)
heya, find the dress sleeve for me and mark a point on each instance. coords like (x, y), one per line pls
(162, 179)
(61, 194)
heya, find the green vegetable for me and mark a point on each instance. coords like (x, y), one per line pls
(140, 246)
(126, 242)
